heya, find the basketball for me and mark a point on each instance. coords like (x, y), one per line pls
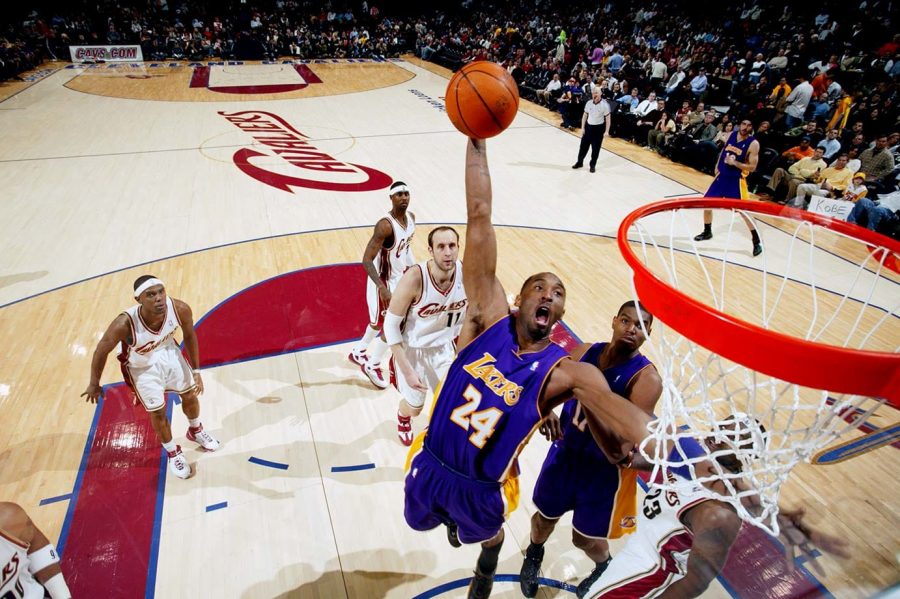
(482, 99)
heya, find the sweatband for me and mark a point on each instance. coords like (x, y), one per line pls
(58, 588)
(391, 328)
(146, 285)
(43, 557)
(399, 189)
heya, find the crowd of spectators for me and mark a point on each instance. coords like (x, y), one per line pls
(678, 75)
(205, 30)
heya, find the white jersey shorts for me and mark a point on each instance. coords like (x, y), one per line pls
(169, 372)
(430, 364)
(377, 306)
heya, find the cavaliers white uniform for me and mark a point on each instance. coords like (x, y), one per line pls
(153, 364)
(656, 555)
(16, 582)
(390, 263)
(432, 325)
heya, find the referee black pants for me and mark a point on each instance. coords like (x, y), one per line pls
(593, 137)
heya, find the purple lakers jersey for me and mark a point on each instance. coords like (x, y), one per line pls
(487, 407)
(576, 435)
(739, 150)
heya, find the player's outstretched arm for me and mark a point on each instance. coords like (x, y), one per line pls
(487, 300)
(604, 409)
(186, 319)
(715, 527)
(406, 292)
(118, 331)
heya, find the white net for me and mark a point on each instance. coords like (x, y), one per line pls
(811, 283)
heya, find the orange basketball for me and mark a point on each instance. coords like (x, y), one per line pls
(482, 99)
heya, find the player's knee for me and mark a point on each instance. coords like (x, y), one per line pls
(494, 542)
(585, 543)
(543, 524)
(189, 397)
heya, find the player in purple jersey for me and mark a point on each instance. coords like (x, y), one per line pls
(577, 476)
(737, 159)
(506, 379)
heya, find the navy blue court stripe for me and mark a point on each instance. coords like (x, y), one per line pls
(150, 588)
(352, 468)
(216, 506)
(55, 499)
(67, 522)
(268, 464)
(802, 559)
(862, 445)
(463, 582)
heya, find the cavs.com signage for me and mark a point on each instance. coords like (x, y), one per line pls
(315, 168)
(106, 53)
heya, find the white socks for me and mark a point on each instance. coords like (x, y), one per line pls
(170, 446)
(194, 422)
(376, 351)
(363, 343)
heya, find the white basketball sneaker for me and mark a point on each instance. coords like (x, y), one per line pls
(358, 358)
(202, 438)
(375, 375)
(178, 464)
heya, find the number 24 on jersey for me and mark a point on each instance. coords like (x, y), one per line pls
(481, 422)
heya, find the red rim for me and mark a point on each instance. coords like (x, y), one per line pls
(806, 363)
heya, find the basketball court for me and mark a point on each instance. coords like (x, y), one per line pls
(251, 190)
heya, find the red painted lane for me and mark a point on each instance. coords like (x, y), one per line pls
(200, 77)
(307, 73)
(107, 551)
(299, 310)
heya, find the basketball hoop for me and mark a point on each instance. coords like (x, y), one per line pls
(803, 339)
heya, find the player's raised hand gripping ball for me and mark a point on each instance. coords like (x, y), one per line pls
(482, 99)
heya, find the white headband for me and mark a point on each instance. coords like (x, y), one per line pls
(146, 285)
(399, 189)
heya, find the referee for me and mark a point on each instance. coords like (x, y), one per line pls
(594, 125)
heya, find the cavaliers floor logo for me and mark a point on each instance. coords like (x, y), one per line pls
(282, 140)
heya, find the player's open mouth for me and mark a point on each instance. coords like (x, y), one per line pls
(542, 316)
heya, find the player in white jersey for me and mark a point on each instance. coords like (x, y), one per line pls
(388, 254)
(683, 537)
(428, 304)
(153, 364)
(29, 563)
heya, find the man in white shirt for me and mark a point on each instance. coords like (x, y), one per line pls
(798, 100)
(658, 72)
(543, 95)
(595, 122)
(643, 108)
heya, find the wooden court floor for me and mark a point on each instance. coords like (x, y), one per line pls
(110, 173)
